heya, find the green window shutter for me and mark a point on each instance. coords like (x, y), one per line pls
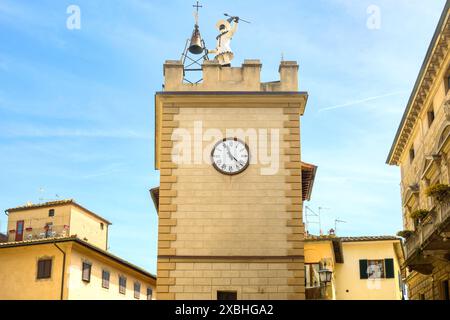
(389, 265)
(363, 269)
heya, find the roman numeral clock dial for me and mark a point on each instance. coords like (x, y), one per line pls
(230, 156)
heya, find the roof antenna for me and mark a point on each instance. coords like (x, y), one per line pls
(336, 221)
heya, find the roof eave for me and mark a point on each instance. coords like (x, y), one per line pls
(390, 159)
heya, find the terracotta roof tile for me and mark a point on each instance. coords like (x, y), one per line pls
(53, 204)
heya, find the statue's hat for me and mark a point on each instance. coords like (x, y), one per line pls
(225, 23)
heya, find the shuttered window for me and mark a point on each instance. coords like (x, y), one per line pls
(137, 290)
(376, 269)
(44, 269)
(122, 285)
(86, 274)
(105, 279)
(149, 293)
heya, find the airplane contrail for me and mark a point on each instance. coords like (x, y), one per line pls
(361, 101)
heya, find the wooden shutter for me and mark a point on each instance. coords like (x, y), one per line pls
(122, 285)
(105, 279)
(40, 273)
(44, 269)
(363, 269)
(86, 275)
(389, 266)
(137, 290)
(149, 293)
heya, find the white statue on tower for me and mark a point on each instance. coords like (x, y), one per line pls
(223, 52)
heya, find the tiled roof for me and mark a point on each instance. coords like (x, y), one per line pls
(54, 204)
(41, 205)
(81, 242)
(308, 176)
(351, 239)
(368, 238)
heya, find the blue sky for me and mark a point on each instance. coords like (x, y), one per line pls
(76, 106)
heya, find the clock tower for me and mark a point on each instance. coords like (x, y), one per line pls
(231, 190)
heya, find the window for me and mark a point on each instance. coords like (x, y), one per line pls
(137, 290)
(44, 269)
(412, 155)
(421, 296)
(445, 288)
(226, 295)
(105, 279)
(86, 274)
(122, 284)
(149, 293)
(376, 269)
(51, 212)
(430, 115)
(102, 226)
(312, 275)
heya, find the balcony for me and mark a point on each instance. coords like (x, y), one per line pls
(41, 233)
(431, 239)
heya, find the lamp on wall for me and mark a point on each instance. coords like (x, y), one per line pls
(325, 276)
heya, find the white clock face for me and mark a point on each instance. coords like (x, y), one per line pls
(230, 156)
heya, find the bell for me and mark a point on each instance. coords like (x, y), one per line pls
(196, 46)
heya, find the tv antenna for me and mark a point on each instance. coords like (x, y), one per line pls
(336, 221)
(320, 213)
(194, 46)
(41, 197)
(309, 213)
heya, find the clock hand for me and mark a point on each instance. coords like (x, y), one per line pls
(229, 153)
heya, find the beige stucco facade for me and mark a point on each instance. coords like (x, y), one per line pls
(74, 236)
(69, 218)
(18, 272)
(343, 255)
(422, 151)
(217, 232)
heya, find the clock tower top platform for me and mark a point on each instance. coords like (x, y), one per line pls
(243, 79)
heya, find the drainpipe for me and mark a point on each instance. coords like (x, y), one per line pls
(63, 270)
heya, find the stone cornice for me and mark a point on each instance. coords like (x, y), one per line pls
(432, 65)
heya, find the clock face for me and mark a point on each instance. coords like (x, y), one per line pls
(230, 156)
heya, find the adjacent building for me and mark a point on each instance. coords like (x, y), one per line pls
(230, 227)
(362, 268)
(58, 250)
(422, 151)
